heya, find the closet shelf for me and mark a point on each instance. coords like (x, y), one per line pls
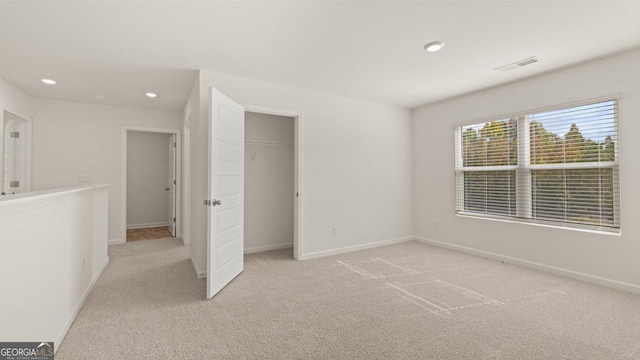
(266, 142)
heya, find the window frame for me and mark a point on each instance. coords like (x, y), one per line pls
(524, 168)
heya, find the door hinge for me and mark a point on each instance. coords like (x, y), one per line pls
(174, 219)
(14, 135)
(297, 195)
(174, 182)
(14, 184)
(174, 144)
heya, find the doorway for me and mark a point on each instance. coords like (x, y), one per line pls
(15, 176)
(286, 116)
(269, 182)
(150, 183)
(225, 181)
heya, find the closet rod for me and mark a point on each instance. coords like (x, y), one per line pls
(266, 142)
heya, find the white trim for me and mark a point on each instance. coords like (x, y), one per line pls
(524, 188)
(123, 175)
(537, 266)
(257, 249)
(574, 165)
(298, 244)
(199, 274)
(28, 146)
(146, 226)
(270, 110)
(64, 331)
(117, 242)
(545, 223)
(13, 204)
(347, 249)
(487, 168)
(186, 185)
(558, 166)
(559, 106)
(298, 236)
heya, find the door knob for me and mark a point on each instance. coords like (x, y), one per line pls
(213, 202)
(167, 189)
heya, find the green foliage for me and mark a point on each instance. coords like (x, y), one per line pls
(491, 192)
(494, 144)
(550, 148)
(573, 195)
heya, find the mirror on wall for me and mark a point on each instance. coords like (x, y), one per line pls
(13, 148)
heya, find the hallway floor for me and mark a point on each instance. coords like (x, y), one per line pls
(148, 233)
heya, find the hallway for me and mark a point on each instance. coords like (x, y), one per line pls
(137, 304)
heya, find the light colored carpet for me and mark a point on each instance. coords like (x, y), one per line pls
(406, 301)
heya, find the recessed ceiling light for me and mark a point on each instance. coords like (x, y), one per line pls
(151, 95)
(49, 81)
(99, 96)
(434, 46)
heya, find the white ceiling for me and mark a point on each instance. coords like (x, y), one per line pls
(367, 50)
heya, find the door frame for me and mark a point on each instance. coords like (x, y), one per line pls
(298, 167)
(123, 177)
(28, 129)
(186, 177)
(173, 152)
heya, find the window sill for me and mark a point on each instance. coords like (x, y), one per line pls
(611, 232)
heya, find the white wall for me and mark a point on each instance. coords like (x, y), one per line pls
(72, 139)
(147, 179)
(14, 100)
(356, 165)
(268, 183)
(53, 248)
(586, 254)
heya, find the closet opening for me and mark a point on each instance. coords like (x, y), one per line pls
(271, 194)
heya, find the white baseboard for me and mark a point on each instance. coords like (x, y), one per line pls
(199, 274)
(116, 241)
(256, 249)
(62, 335)
(347, 249)
(149, 225)
(537, 266)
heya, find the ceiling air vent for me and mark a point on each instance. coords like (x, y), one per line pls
(518, 64)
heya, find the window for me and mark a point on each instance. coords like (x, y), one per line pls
(553, 166)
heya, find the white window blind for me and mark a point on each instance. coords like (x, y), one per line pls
(488, 162)
(558, 166)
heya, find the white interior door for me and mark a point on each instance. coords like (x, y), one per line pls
(172, 185)
(225, 203)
